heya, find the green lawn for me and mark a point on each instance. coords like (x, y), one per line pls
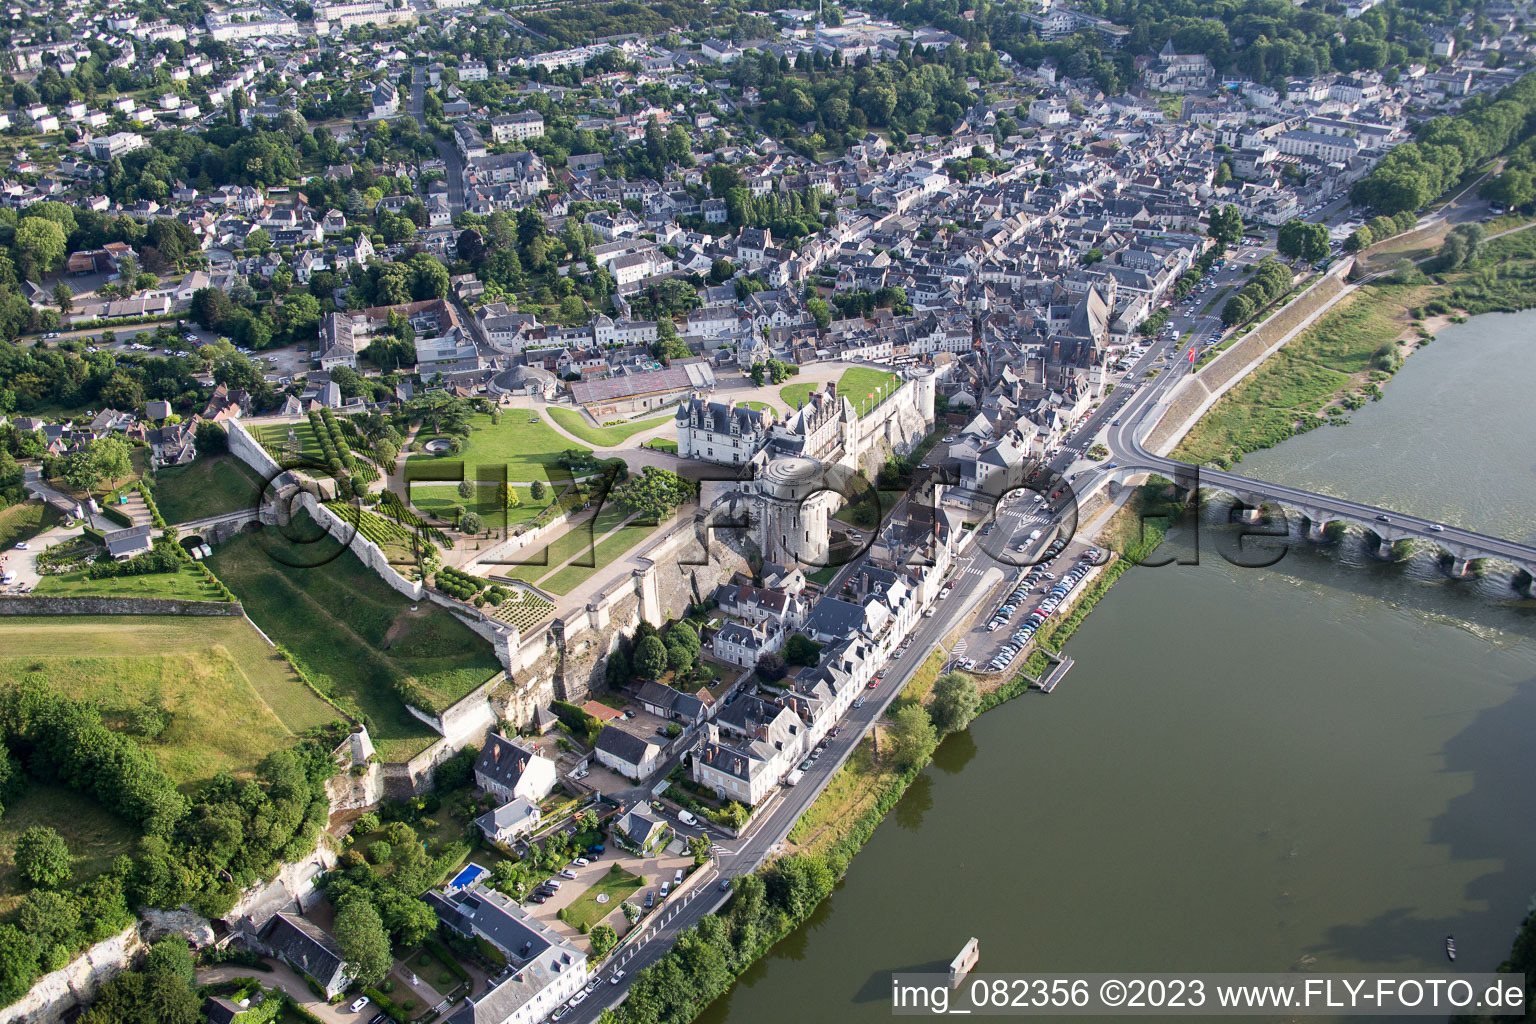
(858, 383)
(585, 912)
(274, 437)
(94, 835)
(529, 450)
(607, 552)
(25, 521)
(439, 500)
(232, 698)
(357, 637)
(186, 584)
(574, 422)
(662, 445)
(207, 487)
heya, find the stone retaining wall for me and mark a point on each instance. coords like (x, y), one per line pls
(32, 604)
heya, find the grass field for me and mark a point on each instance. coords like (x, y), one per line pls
(857, 382)
(232, 698)
(529, 450)
(24, 521)
(439, 500)
(589, 546)
(574, 422)
(186, 584)
(274, 437)
(585, 912)
(1300, 379)
(207, 487)
(94, 837)
(355, 635)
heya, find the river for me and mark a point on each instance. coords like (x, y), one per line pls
(1325, 764)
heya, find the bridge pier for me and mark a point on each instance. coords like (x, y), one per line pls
(1459, 565)
(1522, 581)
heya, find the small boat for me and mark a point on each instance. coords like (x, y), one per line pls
(1450, 947)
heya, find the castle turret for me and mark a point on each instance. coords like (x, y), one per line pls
(926, 381)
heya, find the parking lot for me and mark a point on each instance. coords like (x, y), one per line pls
(1024, 589)
(654, 872)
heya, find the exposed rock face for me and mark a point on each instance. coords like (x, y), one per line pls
(54, 995)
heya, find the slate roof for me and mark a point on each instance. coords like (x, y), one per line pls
(627, 747)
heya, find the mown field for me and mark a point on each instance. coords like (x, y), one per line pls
(229, 699)
(573, 422)
(355, 636)
(206, 487)
(26, 520)
(529, 447)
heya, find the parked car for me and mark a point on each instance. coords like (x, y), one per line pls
(581, 862)
(665, 888)
(650, 899)
(677, 877)
(361, 1002)
(567, 873)
(616, 977)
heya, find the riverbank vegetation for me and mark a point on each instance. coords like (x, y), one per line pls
(1341, 360)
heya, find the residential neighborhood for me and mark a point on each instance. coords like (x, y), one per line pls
(498, 502)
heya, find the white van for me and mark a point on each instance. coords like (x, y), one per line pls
(686, 818)
(1035, 535)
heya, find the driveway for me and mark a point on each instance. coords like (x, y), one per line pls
(283, 978)
(654, 870)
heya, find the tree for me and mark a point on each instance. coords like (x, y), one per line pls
(111, 458)
(650, 658)
(770, 668)
(698, 849)
(802, 650)
(172, 956)
(63, 297)
(470, 522)
(1237, 310)
(1226, 225)
(471, 247)
(538, 490)
(210, 440)
(258, 241)
(42, 857)
(466, 488)
(43, 241)
(653, 495)
(913, 738)
(1301, 240)
(603, 938)
(955, 700)
(360, 933)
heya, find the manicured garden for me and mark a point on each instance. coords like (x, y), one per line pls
(206, 487)
(573, 422)
(585, 911)
(439, 500)
(357, 638)
(187, 583)
(529, 447)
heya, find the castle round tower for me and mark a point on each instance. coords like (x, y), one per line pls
(926, 381)
(796, 509)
